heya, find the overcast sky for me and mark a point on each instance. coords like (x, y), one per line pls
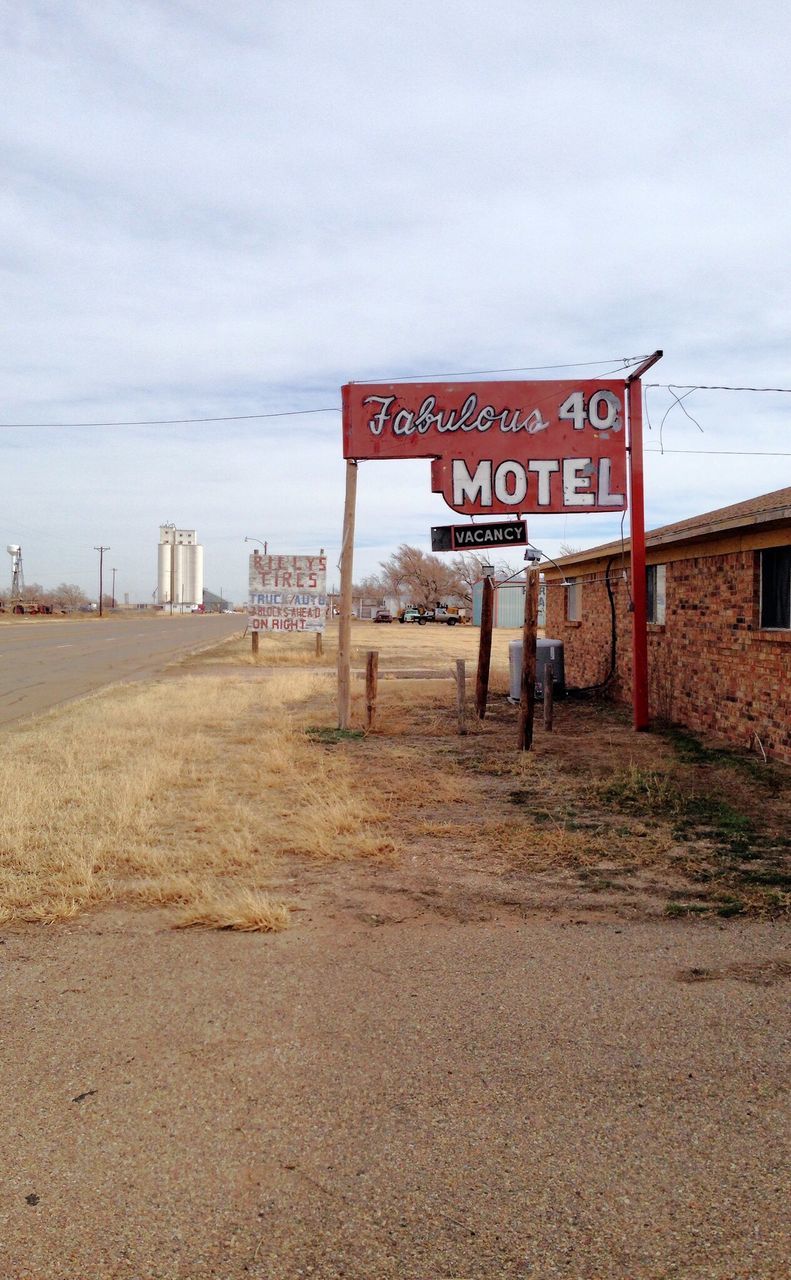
(219, 209)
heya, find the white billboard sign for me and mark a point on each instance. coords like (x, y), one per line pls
(288, 593)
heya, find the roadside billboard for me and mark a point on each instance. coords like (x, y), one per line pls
(499, 448)
(287, 593)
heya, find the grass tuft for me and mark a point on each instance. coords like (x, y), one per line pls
(233, 908)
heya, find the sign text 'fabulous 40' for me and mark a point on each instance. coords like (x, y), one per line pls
(499, 447)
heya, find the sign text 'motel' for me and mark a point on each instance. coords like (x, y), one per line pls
(499, 448)
(468, 537)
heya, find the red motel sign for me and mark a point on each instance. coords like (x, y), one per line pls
(499, 448)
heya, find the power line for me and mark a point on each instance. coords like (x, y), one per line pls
(702, 386)
(736, 453)
(166, 422)
(624, 363)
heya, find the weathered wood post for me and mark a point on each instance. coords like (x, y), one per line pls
(461, 694)
(371, 686)
(319, 644)
(484, 647)
(255, 639)
(345, 618)
(549, 681)
(527, 688)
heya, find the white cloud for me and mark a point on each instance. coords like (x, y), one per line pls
(217, 210)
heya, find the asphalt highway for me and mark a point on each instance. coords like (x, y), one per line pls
(47, 661)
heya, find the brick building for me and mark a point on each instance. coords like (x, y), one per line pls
(719, 631)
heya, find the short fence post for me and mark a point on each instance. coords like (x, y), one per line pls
(549, 681)
(461, 694)
(319, 644)
(255, 643)
(371, 685)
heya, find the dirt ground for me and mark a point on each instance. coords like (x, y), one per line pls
(539, 1033)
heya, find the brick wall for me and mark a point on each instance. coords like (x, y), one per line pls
(710, 667)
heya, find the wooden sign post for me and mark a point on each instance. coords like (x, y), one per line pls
(484, 648)
(345, 617)
(527, 688)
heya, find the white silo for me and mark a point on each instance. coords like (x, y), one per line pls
(179, 567)
(193, 574)
(163, 572)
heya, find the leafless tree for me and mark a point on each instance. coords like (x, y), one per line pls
(419, 578)
(69, 596)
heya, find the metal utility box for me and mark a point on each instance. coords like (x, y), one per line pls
(546, 651)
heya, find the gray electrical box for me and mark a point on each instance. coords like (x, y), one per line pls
(546, 651)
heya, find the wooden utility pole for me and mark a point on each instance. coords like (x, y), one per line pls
(345, 618)
(527, 688)
(371, 686)
(101, 551)
(484, 648)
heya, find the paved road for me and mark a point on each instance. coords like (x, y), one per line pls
(49, 661)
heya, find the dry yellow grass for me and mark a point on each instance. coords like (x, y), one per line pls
(242, 909)
(435, 646)
(179, 793)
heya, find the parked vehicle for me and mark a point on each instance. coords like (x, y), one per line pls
(383, 615)
(442, 614)
(413, 615)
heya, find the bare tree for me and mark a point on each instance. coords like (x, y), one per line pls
(423, 579)
(69, 596)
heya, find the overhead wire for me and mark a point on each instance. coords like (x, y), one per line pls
(625, 363)
(167, 422)
(735, 453)
(703, 386)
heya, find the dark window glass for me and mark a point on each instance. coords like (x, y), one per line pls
(776, 587)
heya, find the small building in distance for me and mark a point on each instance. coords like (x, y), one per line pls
(179, 568)
(719, 621)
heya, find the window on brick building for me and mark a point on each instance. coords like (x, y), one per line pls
(574, 600)
(655, 590)
(776, 588)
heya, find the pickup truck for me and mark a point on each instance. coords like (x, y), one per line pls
(442, 615)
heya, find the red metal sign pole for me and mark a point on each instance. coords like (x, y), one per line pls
(637, 527)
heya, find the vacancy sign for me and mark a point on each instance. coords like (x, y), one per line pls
(288, 593)
(499, 448)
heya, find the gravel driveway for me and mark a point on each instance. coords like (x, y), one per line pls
(370, 1098)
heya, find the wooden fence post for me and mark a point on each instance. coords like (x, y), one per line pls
(371, 686)
(549, 681)
(255, 643)
(461, 694)
(527, 690)
(319, 644)
(484, 648)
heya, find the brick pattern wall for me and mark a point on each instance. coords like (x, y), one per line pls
(710, 667)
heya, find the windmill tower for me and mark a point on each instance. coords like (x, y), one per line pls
(17, 577)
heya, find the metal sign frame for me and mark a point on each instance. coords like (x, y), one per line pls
(479, 537)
